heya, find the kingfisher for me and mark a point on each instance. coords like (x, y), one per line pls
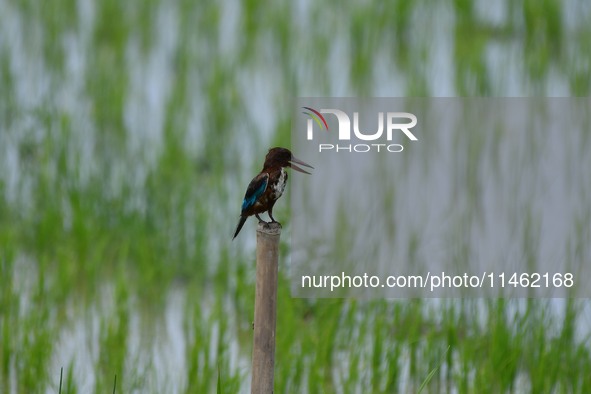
(266, 188)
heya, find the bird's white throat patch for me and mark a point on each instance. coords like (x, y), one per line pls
(280, 185)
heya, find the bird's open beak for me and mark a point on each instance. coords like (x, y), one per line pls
(298, 161)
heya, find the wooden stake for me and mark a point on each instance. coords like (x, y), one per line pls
(265, 308)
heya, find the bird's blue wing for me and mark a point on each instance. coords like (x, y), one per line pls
(255, 190)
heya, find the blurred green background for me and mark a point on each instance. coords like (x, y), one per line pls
(128, 133)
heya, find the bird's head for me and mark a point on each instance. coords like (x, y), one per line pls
(281, 157)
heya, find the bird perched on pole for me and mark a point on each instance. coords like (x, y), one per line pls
(266, 188)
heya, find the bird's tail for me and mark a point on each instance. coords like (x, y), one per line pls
(239, 226)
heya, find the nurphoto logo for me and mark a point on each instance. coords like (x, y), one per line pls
(397, 123)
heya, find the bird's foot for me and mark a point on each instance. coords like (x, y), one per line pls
(261, 221)
(270, 226)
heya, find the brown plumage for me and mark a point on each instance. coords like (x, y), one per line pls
(266, 188)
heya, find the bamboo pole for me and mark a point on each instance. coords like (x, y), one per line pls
(265, 308)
